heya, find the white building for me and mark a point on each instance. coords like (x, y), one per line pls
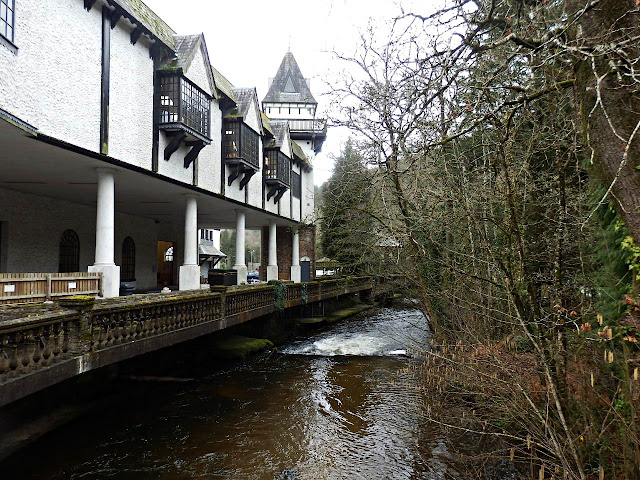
(119, 140)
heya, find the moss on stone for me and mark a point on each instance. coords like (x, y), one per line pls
(238, 346)
(86, 299)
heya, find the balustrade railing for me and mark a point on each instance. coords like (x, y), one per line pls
(247, 299)
(122, 324)
(84, 326)
(29, 344)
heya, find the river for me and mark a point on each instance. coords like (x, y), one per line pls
(338, 404)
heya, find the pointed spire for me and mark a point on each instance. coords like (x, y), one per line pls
(289, 85)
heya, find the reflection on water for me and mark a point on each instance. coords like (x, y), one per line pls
(339, 405)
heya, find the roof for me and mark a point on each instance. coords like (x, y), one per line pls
(280, 132)
(209, 250)
(266, 123)
(297, 152)
(150, 20)
(289, 85)
(186, 48)
(224, 85)
(244, 98)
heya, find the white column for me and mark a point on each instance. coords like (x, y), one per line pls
(190, 270)
(105, 234)
(241, 264)
(296, 272)
(272, 268)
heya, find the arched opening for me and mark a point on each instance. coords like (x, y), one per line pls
(128, 268)
(69, 258)
(165, 263)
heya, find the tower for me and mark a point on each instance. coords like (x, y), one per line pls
(289, 98)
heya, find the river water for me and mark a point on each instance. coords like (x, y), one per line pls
(339, 404)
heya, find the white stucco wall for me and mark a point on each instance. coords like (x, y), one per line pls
(174, 167)
(285, 204)
(295, 208)
(197, 72)
(130, 99)
(307, 148)
(34, 246)
(53, 82)
(233, 191)
(255, 184)
(289, 111)
(209, 168)
(307, 196)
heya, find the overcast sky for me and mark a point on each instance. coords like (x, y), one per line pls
(247, 39)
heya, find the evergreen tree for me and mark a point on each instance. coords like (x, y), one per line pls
(346, 226)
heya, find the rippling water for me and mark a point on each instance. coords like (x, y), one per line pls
(337, 405)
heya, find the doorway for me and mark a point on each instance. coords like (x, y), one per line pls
(305, 269)
(165, 263)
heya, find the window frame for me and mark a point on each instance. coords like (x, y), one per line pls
(5, 39)
(69, 252)
(128, 267)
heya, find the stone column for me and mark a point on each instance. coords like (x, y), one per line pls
(296, 271)
(272, 268)
(241, 264)
(189, 278)
(105, 234)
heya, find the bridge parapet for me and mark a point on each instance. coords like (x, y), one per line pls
(85, 334)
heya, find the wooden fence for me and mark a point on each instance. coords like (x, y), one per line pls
(38, 287)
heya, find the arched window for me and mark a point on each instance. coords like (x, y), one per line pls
(69, 259)
(128, 267)
(168, 255)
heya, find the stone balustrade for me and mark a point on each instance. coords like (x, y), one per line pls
(85, 333)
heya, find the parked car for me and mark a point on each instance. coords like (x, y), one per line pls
(252, 277)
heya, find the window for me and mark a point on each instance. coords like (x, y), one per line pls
(128, 260)
(69, 258)
(240, 142)
(7, 8)
(296, 185)
(168, 255)
(180, 101)
(277, 166)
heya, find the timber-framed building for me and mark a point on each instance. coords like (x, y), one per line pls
(119, 142)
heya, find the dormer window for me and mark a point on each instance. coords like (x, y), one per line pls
(240, 149)
(182, 102)
(277, 172)
(183, 113)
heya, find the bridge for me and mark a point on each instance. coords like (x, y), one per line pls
(79, 334)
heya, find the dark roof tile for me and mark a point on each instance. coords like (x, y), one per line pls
(289, 85)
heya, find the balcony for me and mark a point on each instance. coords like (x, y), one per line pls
(309, 130)
(240, 149)
(317, 127)
(277, 172)
(183, 113)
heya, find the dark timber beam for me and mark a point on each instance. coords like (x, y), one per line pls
(193, 153)
(235, 172)
(272, 192)
(115, 18)
(135, 34)
(174, 144)
(106, 74)
(277, 198)
(247, 176)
